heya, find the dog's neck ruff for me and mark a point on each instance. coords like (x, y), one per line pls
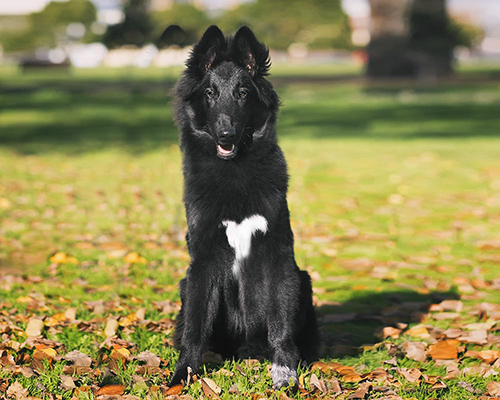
(240, 236)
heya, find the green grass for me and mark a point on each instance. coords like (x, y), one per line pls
(392, 187)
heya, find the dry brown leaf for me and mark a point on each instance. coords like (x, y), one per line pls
(78, 359)
(63, 258)
(134, 258)
(210, 388)
(388, 331)
(149, 359)
(173, 391)
(327, 368)
(34, 327)
(361, 392)
(477, 337)
(415, 351)
(493, 388)
(453, 333)
(445, 315)
(488, 244)
(17, 390)
(67, 382)
(451, 305)
(111, 327)
(412, 375)
(334, 386)
(452, 371)
(234, 389)
(111, 390)
(318, 384)
(490, 356)
(44, 354)
(445, 350)
(419, 331)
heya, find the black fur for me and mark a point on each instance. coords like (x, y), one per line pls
(233, 168)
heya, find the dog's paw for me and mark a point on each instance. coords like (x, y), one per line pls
(283, 377)
(182, 376)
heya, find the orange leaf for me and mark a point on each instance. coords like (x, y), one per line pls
(445, 350)
(173, 391)
(111, 390)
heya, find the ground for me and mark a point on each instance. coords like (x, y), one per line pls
(395, 204)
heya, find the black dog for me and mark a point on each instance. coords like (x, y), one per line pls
(243, 294)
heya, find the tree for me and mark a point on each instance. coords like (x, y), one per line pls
(181, 24)
(136, 28)
(414, 38)
(279, 23)
(48, 28)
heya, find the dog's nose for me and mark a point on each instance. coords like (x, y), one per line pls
(227, 135)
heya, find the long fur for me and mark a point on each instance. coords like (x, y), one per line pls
(243, 294)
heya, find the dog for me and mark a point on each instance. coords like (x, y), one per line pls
(243, 294)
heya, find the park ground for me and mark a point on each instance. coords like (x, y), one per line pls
(395, 204)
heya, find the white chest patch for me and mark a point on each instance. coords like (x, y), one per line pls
(240, 235)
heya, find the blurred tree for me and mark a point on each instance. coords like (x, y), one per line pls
(181, 24)
(136, 28)
(387, 55)
(279, 23)
(414, 38)
(48, 28)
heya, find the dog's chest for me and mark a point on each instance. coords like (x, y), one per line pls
(239, 237)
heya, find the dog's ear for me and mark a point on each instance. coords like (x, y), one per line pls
(250, 53)
(207, 50)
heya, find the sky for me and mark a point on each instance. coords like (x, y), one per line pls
(485, 12)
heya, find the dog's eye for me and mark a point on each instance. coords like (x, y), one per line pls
(210, 93)
(243, 93)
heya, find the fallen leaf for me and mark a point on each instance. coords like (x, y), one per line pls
(149, 359)
(412, 375)
(360, 393)
(419, 331)
(67, 382)
(493, 388)
(210, 388)
(134, 257)
(173, 391)
(388, 331)
(445, 350)
(34, 327)
(476, 337)
(451, 305)
(44, 354)
(78, 359)
(490, 356)
(415, 351)
(17, 390)
(63, 258)
(111, 390)
(111, 327)
(317, 383)
(234, 390)
(445, 315)
(489, 244)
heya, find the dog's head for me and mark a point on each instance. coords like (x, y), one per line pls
(225, 91)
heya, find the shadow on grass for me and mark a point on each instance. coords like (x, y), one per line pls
(347, 326)
(82, 115)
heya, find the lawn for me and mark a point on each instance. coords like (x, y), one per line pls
(395, 205)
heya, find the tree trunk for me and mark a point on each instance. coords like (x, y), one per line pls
(410, 39)
(387, 51)
(431, 39)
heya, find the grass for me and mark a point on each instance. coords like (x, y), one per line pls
(392, 188)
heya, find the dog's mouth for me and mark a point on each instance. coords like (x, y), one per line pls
(226, 151)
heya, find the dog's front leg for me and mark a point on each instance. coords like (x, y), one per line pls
(281, 325)
(199, 310)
